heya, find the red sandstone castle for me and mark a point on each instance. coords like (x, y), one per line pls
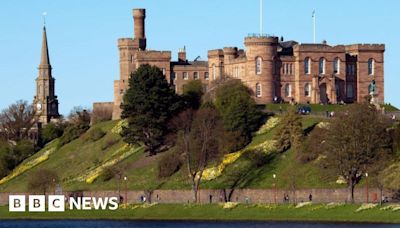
(273, 69)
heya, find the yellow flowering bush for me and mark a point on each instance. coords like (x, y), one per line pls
(27, 166)
(213, 172)
(323, 125)
(269, 125)
(117, 129)
(300, 205)
(392, 207)
(366, 206)
(122, 153)
(229, 205)
(333, 205)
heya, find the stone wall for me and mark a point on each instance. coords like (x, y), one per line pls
(239, 195)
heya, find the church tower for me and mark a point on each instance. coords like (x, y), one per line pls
(45, 102)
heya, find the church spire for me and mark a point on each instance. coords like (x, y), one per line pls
(45, 60)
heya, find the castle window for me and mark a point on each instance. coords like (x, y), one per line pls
(258, 65)
(206, 77)
(285, 68)
(196, 75)
(336, 66)
(322, 63)
(258, 90)
(132, 60)
(307, 90)
(371, 66)
(307, 63)
(290, 69)
(185, 76)
(163, 71)
(350, 92)
(288, 90)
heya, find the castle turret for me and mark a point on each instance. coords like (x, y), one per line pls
(182, 54)
(260, 53)
(139, 16)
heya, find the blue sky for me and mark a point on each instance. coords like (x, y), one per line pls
(83, 35)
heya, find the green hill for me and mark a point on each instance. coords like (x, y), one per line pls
(80, 165)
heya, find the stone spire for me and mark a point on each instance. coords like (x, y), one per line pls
(45, 60)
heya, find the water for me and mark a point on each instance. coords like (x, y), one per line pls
(191, 224)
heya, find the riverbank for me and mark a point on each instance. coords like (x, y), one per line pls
(231, 212)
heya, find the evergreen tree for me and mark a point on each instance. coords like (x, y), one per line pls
(238, 109)
(147, 105)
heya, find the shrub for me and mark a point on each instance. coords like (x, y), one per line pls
(42, 181)
(109, 142)
(95, 134)
(108, 174)
(51, 131)
(169, 164)
(72, 132)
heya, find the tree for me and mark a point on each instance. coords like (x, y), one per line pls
(50, 131)
(43, 180)
(17, 120)
(192, 93)
(356, 141)
(198, 140)
(290, 133)
(148, 105)
(238, 110)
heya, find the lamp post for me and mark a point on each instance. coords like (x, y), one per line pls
(366, 183)
(126, 189)
(274, 176)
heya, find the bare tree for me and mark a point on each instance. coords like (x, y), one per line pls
(198, 141)
(356, 141)
(17, 120)
(42, 181)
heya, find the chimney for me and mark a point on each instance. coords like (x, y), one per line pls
(139, 16)
(182, 54)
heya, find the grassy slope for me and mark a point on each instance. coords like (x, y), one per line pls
(81, 155)
(344, 213)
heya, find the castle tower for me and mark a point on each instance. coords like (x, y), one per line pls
(139, 15)
(45, 102)
(261, 52)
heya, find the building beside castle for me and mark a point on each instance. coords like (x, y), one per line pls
(273, 69)
(45, 101)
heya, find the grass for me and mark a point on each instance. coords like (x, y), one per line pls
(317, 213)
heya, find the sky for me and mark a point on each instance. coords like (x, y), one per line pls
(82, 37)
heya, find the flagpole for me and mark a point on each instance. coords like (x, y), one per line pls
(261, 17)
(314, 22)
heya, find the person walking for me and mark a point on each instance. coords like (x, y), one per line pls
(310, 197)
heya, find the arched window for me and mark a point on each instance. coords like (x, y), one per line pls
(258, 65)
(258, 90)
(307, 64)
(322, 63)
(214, 72)
(371, 66)
(336, 66)
(307, 90)
(288, 90)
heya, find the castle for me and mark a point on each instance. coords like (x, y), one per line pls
(273, 69)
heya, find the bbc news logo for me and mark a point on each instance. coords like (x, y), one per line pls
(56, 203)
